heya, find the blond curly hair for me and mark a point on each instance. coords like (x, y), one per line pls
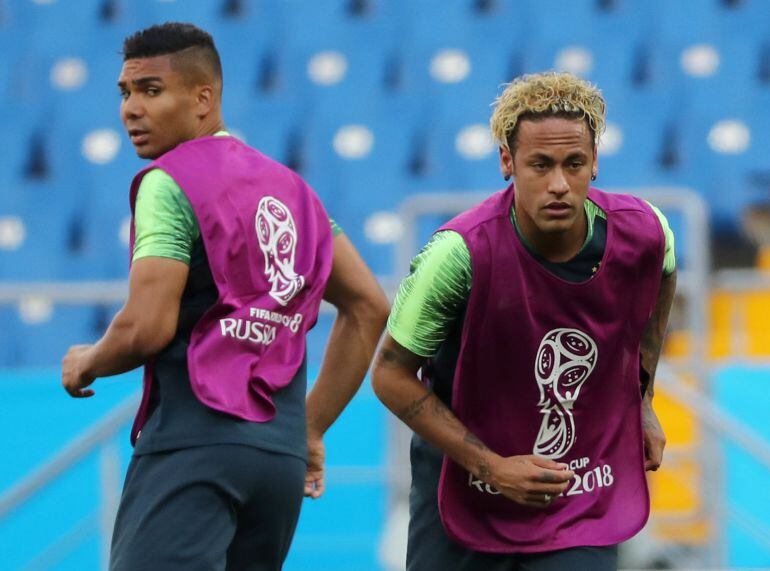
(547, 94)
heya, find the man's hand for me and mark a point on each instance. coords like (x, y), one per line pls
(314, 480)
(530, 480)
(73, 376)
(654, 438)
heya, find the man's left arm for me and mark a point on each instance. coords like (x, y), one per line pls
(362, 310)
(651, 345)
(142, 328)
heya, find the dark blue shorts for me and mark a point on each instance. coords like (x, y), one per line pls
(430, 549)
(208, 508)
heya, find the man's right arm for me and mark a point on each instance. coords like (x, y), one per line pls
(527, 480)
(432, 295)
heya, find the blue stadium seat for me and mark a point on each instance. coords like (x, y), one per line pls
(9, 337)
(458, 150)
(105, 222)
(692, 20)
(718, 149)
(635, 142)
(144, 13)
(305, 24)
(331, 73)
(356, 149)
(244, 48)
(358, 163)
(57, 29)
(609, 62)
(582, 20)
(708, 70)
(46, 342)
(268, 125)
(41, 252)
(460, 72)
(19, 124)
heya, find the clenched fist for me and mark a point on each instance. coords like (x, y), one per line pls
(73, 376)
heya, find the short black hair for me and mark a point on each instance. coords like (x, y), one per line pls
(172, 38)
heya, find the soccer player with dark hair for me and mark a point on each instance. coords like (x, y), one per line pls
(536, 320)
(232, 254)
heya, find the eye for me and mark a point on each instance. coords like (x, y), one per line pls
(538, 166)
(152, 91)
(124, 94)
(576, 164)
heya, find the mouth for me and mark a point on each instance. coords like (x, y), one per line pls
(138, 137)
(558, 209)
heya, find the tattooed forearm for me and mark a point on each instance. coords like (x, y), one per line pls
(654, 334)
(442, 410)
(414, 409)
(471, 438)
(484, 471)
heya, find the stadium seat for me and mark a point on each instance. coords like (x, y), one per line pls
(304, 25)
(612, 63)
(358, 163)
(333, 73)
(9, 338)
(707, 70)
(144, 13)
(243, 48)
(638, 133)
(47, 330)
(719, 148)
(35, 235)
(458, 150)
(582, 20)
(692, 20)
(267, 124)
(19, 124)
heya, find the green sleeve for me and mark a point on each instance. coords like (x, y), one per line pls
(433, 295)
(165, 223)
(669, 258)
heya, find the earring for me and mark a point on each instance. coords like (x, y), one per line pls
(593, 175)
(507, 177)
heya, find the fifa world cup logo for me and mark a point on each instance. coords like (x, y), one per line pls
(278, 240)
(565, 360)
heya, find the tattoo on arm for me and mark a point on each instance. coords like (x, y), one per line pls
(484, 471)
(440, 409)
(654, 334)
(414, 409)
(471, 438)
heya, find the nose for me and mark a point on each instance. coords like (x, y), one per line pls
(557, 184)
(131, 109)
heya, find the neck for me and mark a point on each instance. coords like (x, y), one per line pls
(209, 127)
(553, 246)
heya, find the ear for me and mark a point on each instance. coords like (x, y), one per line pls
(506, 163)
(595, 171)
(204, 101)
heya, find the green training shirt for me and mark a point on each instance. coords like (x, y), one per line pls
(165, 222)
(435, 292)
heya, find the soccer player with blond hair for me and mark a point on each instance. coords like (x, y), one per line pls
(522, 350)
